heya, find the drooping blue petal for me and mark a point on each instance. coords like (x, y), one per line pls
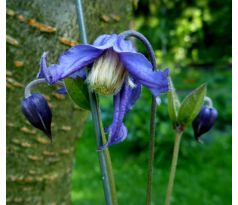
(71, 61)
(37, 111)
(122, 45)
(105, 41)
(141, 70)
(43, 67)
(117, 131)
(134, 96)
(123, 102)
(76, 58)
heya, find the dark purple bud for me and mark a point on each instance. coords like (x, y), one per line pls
(37, 111)
(204, 121)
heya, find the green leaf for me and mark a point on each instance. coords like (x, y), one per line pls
(191, 105)
(78, 92)
(173, 102)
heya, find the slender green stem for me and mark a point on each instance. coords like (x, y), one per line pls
(104, 155)
(150, 50)
(173, 167)
(35, 83)
(108, 165)
(151, 152)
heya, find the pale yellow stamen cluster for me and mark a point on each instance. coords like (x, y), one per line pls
(107, 74)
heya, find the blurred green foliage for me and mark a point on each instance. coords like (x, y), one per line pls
(187, 32)
(193, 39)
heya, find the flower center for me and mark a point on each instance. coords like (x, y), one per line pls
(107, 74)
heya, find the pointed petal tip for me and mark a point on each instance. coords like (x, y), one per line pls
(166, 71)
(48, 134)
(51, 139)
(44, 72)
(43, 56)
(117, 138)
(45, 53)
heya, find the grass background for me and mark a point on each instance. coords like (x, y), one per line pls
(193, 39)
(204, 171)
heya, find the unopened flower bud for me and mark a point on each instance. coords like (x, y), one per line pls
(107, 74)
(204, 121)
(37, 111)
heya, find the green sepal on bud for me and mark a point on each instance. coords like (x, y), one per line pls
(181, 114)
(173, 103)
(191, 105)
(78, 92)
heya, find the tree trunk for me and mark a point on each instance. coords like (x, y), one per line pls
(39, 172)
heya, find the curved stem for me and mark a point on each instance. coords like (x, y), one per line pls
(35, 83)
(173, 167)
(208, 101)
(146, 43)
(150, 50)
(104, 155)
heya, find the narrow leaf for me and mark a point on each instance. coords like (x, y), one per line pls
(78, 92)
(173, 102)
(191, 105)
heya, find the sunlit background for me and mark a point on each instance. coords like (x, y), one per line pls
(193, 39)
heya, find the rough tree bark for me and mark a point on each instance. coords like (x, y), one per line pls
(39, 172)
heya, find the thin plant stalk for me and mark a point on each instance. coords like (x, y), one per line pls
(152, 115)
(108, 165)
(151, 152)
(173, 167)
(34, 83)
(104, 155)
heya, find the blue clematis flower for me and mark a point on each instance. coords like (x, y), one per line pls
(115, 68)
(123, 103)
(37, 111)
(204, 121)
